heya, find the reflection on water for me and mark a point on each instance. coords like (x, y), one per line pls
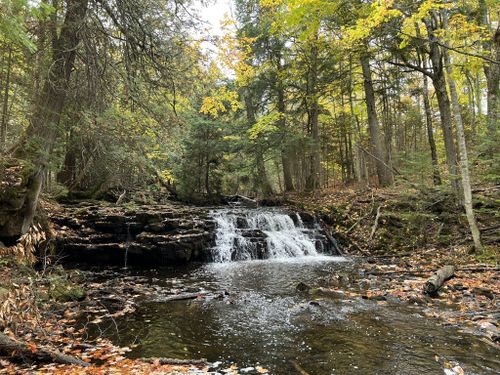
(265, 320)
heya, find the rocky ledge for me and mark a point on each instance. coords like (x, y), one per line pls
(100, 233)
(156, 235)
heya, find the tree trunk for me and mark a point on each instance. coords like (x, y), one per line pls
(313, 177)
(472, 102)
(387, 125)
(479, 98)
(5, 104)
(491, 71)
(385, 177)
(285, 154)
(430, 132)
(493, 84)
(439, 82)
(66, 175)
(361, 165)
(20, 350)
(207, 176)
(464, 161)
(43, 130)
(261, 180)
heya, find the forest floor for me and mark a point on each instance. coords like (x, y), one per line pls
(399, 239)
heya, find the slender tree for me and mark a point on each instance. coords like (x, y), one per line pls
(383, 171)
(464, 160)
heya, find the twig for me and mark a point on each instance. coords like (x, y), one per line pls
(298, 367)
(330, 238)
(188, 296)
(120, 198)
(362, 218)
(392, 255)
(359, 247)
(433, 203)
(375, 224)
(391, 168)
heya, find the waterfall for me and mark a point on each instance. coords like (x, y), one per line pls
(244, 234)
(127, 245)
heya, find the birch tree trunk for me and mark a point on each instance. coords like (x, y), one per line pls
(464, 161)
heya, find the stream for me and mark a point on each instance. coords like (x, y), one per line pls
(259, 318)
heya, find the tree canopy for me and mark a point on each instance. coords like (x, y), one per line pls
(300, 96)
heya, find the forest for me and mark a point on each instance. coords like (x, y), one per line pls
(131, 129)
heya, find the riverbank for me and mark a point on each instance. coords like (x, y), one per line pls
(48, 313)
(398, 242)
(402, 238)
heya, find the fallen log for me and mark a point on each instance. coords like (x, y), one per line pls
(331, 239)
(188, 296)
(434, 283)
(400, 255)
(18, 350)
(175, 361)
(479, 269)
(183, 297)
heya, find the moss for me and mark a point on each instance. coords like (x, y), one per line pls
(489, 255)
(63, 290)
(65, 286)
(130, 208)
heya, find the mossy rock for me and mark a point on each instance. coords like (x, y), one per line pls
(63, 290)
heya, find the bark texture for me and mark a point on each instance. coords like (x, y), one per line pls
(464, 160)
(436, 281)
(384, 174)
(439, 82)
(436, 176)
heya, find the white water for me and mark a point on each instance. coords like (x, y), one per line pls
(256, 233)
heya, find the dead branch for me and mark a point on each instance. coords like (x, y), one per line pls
(19, 350)
(175, 361)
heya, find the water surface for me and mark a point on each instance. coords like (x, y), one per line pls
(264, 320)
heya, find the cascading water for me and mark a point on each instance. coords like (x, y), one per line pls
(244, 234)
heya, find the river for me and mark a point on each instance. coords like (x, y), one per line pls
(261, 319)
